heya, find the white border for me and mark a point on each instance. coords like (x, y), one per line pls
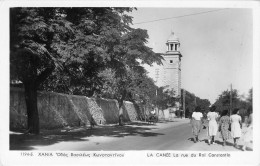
(132, 157)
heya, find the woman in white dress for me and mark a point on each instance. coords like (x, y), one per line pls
(248, 135)
(213, 126)
(236, 125)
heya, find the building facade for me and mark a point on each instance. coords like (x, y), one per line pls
(169, 74)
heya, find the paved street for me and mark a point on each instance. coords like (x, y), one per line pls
(171, 135)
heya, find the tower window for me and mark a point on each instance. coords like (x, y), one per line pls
(175, 47)
(171, 45)
(171, 61)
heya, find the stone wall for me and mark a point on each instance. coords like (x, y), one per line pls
(109, 110)
(128, 107)
(59, 110)
(17, 107)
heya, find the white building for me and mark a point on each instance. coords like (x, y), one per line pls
(169, 74)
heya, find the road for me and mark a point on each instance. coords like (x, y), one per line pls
(171, 135)
(157, 137)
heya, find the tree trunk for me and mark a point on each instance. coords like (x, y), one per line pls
(32, 109)
(27, 64)
(120, 104)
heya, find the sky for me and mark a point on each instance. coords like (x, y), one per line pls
(216, 45)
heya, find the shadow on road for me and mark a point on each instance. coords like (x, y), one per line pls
(200, 140)
(140, 124)
(20, 141)
(167, 121)
(221, 143)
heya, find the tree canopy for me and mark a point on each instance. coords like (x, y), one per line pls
(192, 101)
(223, 102)
(86, 51)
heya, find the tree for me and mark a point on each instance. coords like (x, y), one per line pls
(250, 96)
(127, 52)
(164, 98)
(203, 103)
(223, 102)
(67, 49)
(33, 34)
(46, 39)
(117, 72)
(191, 104)
(97, 29)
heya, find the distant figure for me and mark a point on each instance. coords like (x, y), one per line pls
(121, 122)
(248, 135)
(224, 123)
(236, 125)
(152, 117)
(213, 126)
(181, 113)
(196, 123)
(153, 112)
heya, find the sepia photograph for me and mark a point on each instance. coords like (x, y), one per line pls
(156, 82)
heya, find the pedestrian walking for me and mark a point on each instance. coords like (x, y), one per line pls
(224, 123)
(196, 123)
(236, 125)
(248, 134)
(213, 126)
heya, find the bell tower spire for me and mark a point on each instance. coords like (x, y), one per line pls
(173, 43)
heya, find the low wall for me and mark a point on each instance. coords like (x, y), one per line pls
(58, 110)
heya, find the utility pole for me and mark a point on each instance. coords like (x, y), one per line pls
(156, 92)
(183, 105)
(156, 102)
(230, 112)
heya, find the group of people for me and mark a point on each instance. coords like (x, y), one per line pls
(228, 126)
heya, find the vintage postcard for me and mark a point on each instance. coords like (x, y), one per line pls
(130, 82)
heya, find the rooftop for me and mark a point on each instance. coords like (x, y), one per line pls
(172, 37)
